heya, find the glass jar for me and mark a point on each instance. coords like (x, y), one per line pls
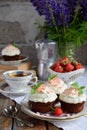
(67, 50)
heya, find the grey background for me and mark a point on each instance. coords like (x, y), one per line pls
(17, 24)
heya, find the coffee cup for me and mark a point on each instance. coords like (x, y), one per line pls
(18, 80)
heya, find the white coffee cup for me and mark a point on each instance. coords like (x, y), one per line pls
(18, 80)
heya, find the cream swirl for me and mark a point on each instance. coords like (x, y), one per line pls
(71, 95)
(10, 50)
(57, 85)
(43, 94)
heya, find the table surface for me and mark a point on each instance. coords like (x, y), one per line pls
(7, 123)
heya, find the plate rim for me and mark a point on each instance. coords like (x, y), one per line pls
(33, 114)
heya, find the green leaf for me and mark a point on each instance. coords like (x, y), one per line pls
(35, 87)
(33, 91)
(15, 45)
(80, 91)
(52, 77)
(75, 85)
(80, 88)
(53, 36)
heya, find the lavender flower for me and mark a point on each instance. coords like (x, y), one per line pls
(84, 9)
(60, 11)
(65, 19)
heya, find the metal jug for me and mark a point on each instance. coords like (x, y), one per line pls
(47, 55)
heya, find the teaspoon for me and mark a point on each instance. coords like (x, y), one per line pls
(11, 111)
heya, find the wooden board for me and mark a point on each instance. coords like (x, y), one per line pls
(23, 66)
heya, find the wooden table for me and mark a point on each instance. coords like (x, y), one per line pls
(7, 123)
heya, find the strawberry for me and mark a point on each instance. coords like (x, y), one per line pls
(64, 61)
(79, 66)
(64, 71)
(59, 61)
(74, 62)
(52, 67)
(58, 68)
(56, 64)
(58, 111)
(69, 67)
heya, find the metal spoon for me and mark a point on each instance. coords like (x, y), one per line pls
(11, 111)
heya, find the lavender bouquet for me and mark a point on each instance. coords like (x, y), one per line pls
(65, 20)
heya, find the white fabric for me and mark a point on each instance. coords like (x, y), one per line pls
(79, 124)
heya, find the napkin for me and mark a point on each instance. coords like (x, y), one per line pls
(78, 124)
(17, 99)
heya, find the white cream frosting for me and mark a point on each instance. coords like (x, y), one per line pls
(43, 94)
(71, 95)
(57, 85)
(10, 50)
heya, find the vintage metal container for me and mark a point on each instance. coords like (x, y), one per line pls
(47, 55)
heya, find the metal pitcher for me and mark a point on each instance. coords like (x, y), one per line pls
(47, 55)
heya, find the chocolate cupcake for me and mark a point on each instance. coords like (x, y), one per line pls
(42, 98)
(72, 99)
(10, 53)
(57, 85)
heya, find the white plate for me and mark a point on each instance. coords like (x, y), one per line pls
(48, 116)
(16, 62)
(5, 90)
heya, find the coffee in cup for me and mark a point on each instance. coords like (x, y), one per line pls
(18, 80)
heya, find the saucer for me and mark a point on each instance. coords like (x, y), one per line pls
(5, 90)
(16, 62)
